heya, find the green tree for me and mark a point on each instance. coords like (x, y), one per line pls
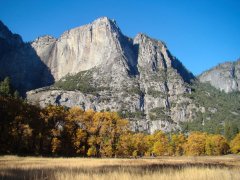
(230, 130)
(5, 89)
(16, 95)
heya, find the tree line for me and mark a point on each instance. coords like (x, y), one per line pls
(26, 129)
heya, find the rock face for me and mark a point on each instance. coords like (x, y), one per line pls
(225, 77)
(19, 61)
(136, 77)
(96, 67)
(85, 47)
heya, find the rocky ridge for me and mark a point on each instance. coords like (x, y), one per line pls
(225, 76)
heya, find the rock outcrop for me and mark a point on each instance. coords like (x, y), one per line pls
(225, 77)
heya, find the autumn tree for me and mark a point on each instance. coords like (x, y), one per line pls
(92, 151)
(55, 145)
(79, 141)
(81, 125)
(53, 118)
(21, 135)
(93, 142)
(216, 145)
(111, 128)
(160, 146)
(149, 141)
(16, 125)
(72, 136)
(195, 144)
(139, 144)
(103, 130)
(235, 144)
(125, 146)
(176, 145)
(157, 144)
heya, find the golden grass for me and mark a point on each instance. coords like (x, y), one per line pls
(177, 168)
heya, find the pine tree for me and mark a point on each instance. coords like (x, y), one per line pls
(5, 89)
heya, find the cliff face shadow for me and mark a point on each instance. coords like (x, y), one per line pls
(181, 69)
(131, 53)
(136, 52)
(25, 69)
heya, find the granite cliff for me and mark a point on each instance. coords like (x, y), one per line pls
(96, 66)
(225, 76)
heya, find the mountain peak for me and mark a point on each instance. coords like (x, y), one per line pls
(4, 31)
(44, 38)
(107, 22)
(8, 39)
(103, 19)
(143, 38)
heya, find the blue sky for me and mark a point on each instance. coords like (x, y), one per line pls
(201, 33)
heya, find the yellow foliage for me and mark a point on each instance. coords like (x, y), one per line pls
(177, 144)
(58, 130)
(195, 144)
(135, 153)
(92, 151)
(55, 144)
(235, 144)
(159, 149)
(149, 141)
(125, 145)
(216, 145)
(79, 140)
(75, 114)
(160, 146)
(139, 144)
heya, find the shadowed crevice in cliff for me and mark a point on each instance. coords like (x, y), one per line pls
(181, 69)
(130, 51)
(136, 50)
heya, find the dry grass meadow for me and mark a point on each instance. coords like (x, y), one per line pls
(177, 168)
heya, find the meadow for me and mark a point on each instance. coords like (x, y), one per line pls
(177, 168)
